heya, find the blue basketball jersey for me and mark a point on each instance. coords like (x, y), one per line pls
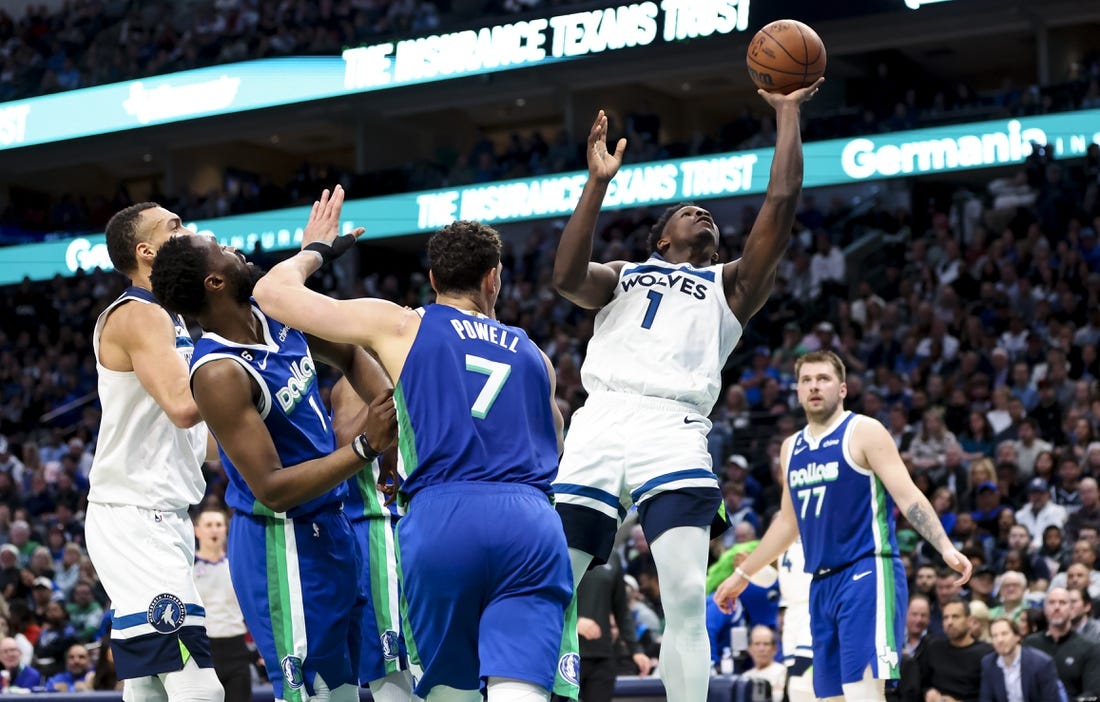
(844, 511)
(473, 404)
(289, 402)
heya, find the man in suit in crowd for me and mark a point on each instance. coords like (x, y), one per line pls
(1029, 672)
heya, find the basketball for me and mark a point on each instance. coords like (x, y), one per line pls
(786, 55)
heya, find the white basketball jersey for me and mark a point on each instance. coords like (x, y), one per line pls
(142, 458)
(794, 596)
(666, 332)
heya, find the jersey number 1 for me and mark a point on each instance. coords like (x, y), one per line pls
(651, 311)
(497, 372)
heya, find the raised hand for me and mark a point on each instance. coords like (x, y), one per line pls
(796, 98)
(602, 164)
(323, 225)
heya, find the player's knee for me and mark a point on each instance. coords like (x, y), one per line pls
(194, 684)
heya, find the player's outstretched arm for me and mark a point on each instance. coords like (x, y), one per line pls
(147, 334)
(750, 279)
(777, 539)
(577, 277)
(224, 391)
(282, 292)
(873, 447)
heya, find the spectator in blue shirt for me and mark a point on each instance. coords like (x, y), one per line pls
(77, 675)
(18, 675)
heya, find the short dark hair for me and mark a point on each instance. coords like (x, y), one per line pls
(179, 270)
(958, 600)
(460, 253)
(122, 236)
(821, 356)
(658, 228)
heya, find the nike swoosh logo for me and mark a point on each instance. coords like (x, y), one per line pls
(263, 364)
(689, 420)
(799, 450)
(857, 576)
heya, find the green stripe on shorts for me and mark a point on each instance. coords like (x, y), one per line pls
(278, 595)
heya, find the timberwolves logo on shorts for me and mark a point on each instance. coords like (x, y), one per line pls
(391, 645)
(569, 667)
(292, 672)
(166, 613)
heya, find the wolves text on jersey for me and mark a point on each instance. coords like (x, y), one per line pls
(671, 280)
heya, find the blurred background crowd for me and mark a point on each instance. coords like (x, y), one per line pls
(971, 330)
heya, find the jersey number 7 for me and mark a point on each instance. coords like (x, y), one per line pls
(497, 372)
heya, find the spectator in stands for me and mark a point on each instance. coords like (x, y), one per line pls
(1077, 659)
(951, 667)
(1029, 445)
(1040, 512)
(1080, 607)
(916, 625)
(55, 638)
(1014, 672)
(77, 676)
(19, 674)
(85, 614)
(1013, 587)
(762, 649)
(1088, 513)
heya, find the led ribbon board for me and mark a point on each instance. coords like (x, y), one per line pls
(253, 85)
(835, 162)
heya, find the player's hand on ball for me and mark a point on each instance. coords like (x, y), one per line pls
(795, 98)
(602, 164)
(382, 422)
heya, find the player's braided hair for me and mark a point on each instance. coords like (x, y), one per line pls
(658, 228)
(122, 236)
(179, 270)
(460, 253)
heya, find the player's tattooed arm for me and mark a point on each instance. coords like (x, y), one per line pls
(923, 518)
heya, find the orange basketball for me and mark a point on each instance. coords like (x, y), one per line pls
(786, 55)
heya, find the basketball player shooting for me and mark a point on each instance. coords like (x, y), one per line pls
(653, 371)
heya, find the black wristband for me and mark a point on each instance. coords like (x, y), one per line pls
(331, 251)
(363, 449)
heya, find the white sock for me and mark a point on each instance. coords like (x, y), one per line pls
(508, 690)
(681, 558)
(395, 687)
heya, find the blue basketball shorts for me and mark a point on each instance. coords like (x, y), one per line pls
(297, 581)
(383, 649)
(487, 580)
(857, 618)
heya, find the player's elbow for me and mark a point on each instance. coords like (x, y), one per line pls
(184, 416)
(273, 498)
(784, 194)
(566, 282)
